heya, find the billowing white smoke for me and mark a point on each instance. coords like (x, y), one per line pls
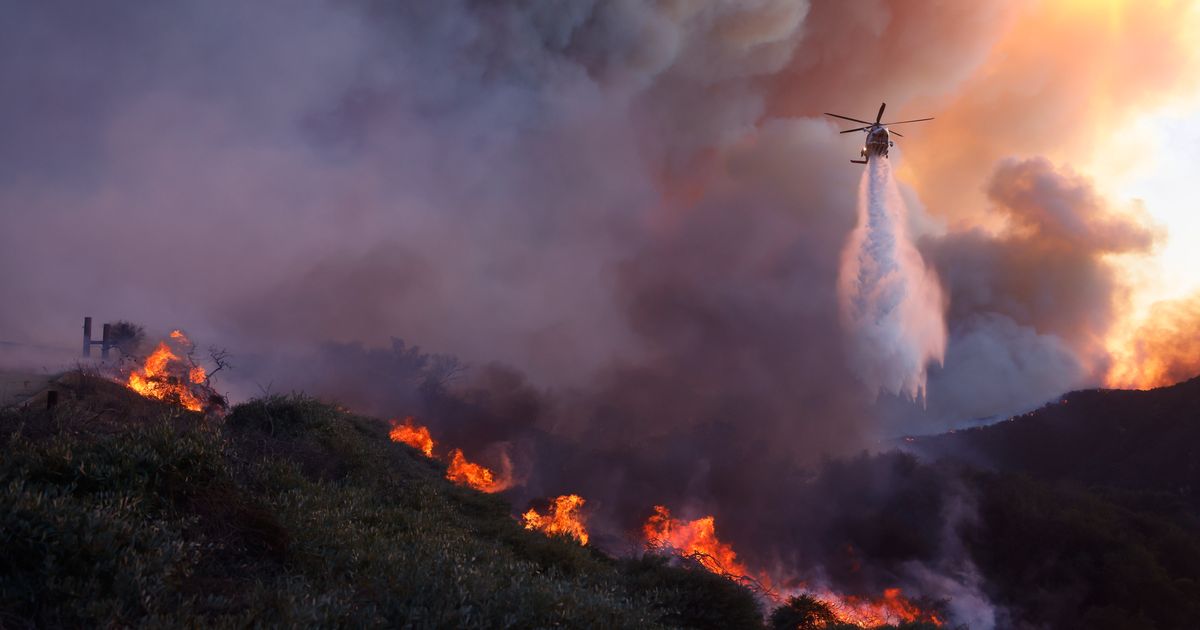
(891, 304)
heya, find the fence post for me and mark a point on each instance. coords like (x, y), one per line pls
(87, 337)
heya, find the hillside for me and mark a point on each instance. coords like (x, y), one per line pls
(1130, 440)
(120, 511)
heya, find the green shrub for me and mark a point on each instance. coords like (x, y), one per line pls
(291, 513)
(802, 613)
(692, 597)
(280, 415)
(70, 560)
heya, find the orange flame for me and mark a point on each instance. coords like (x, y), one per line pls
(562, 518)
(162, 376)
(413, 435)
(891, 609)
(1162, 350)
(197, 375)
(466, 473)
(696, 538)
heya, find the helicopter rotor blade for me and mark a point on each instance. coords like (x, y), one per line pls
(895, 133)
(879, 116)
(907, 121)
(848, 118)
(858, 129)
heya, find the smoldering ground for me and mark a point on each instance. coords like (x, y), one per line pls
(631, 207)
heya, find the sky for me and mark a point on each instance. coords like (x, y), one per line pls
(1161, 180)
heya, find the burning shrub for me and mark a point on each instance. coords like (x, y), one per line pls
(459, 469)
(466, 473)
(562, 519)
(415, 436)
(171, 375)
(805, 612)
(696, 539)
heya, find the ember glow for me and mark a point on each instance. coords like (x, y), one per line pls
(562, 518)
(413, 435)
(466, 473)
(696, 539)
(164, 375)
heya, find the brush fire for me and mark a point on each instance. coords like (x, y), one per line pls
(169, 374)
(697, 540)
(890, 609)
(481, 478)
(459, 469)
(415, 436)
(663, 533)
(562, 518)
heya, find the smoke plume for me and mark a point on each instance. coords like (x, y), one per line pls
(891, 304)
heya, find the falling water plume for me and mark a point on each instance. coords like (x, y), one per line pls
(892, 307)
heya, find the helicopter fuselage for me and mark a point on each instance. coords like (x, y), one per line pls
(879, 139)
(878, 142)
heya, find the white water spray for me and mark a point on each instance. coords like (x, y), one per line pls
(891, 304)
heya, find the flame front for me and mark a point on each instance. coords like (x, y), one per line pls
(459, 469)
(696, 538)
(161, 376)
(891, 609)
(562, 518)
(413, 435)
(465, 473)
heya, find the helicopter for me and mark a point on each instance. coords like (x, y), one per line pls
(878, 134)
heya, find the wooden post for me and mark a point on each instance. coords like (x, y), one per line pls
(51, 399)
(87, 337)
(104, 344)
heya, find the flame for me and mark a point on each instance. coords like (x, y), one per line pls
(161, 376)
(562, 518)
(1161, 350)
(891, 609)
(413, 435)
(197, 374)
(459, 470)
(465, 473)
(696, 538)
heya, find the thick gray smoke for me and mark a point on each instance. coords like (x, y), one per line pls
(892, 305)
(593, 193)
(603, 198)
